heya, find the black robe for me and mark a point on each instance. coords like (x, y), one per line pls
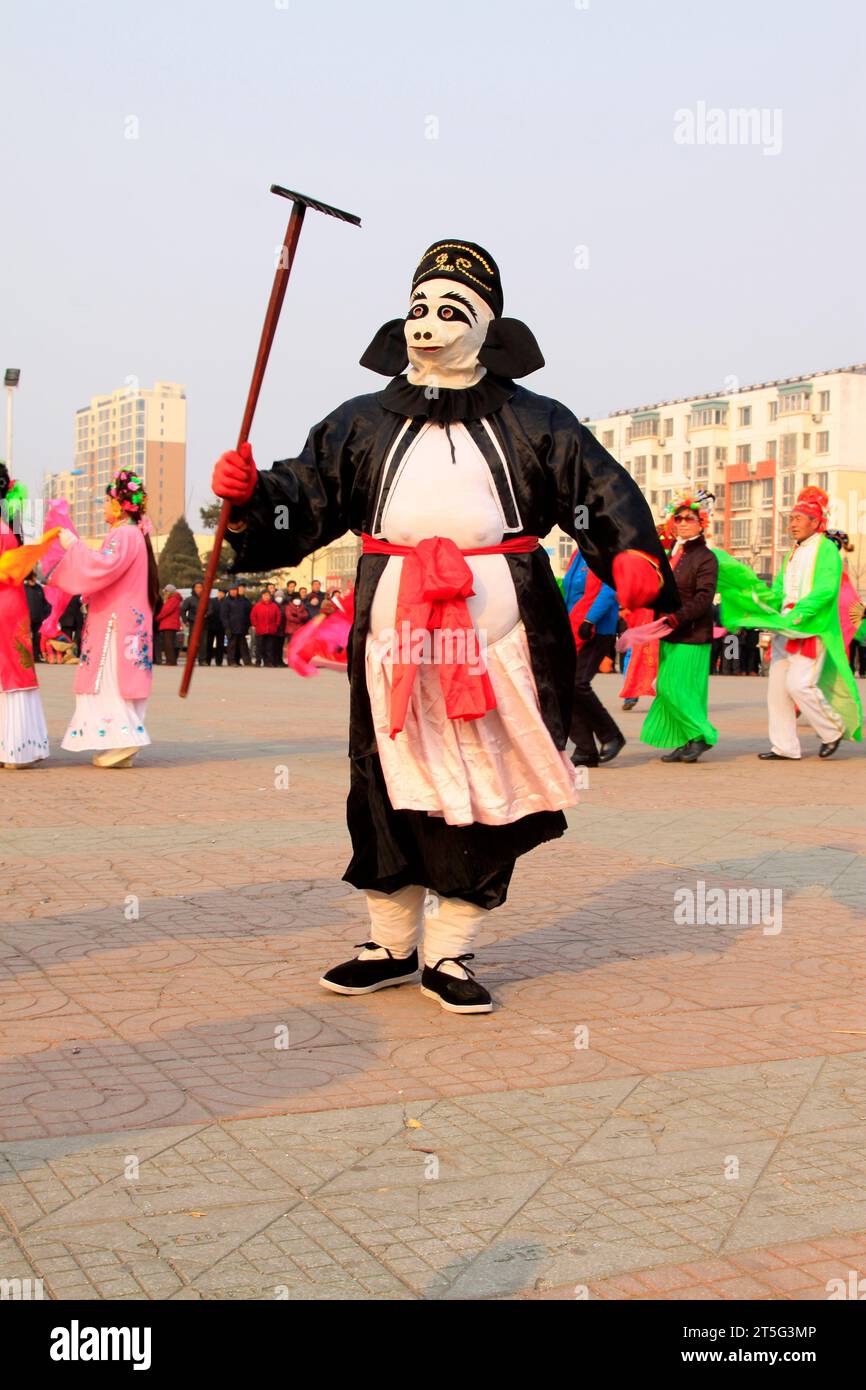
(555, 465)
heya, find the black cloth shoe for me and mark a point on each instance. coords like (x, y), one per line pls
(772, 757)
(675, 755)
(365, 976)
(693, 750)
(828, 749)
(608, 751)
(629, 704)
(457, 996)
(582, 760)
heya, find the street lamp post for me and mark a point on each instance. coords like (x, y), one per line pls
(10, 381)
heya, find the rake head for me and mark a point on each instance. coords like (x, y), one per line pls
(314, 203)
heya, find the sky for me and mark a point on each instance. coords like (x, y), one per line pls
(654, 251)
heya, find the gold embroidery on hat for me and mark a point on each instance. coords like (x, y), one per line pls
(441, 262)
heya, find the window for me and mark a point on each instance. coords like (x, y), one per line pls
(607, 439)
(687, 461)
(788, 481)
(807, 441)
(702, 464)
(770, 449)
(667, 495)
(744, 453)
(654, 499)
(822, 480)
(720, 497)
(667, 463)
(824, 400)
(744, 415)
(668, 427)
(793, 401)
(822, 442)
(566, 549)
(644, 429)
(766, 492)
(640, 469)
(740, 530)
(740, 496)
(774, 411)
(721, 456)
(708, 415)
(789, 450)
(765, 530)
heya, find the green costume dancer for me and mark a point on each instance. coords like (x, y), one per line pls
(677, 718)
(810, 668)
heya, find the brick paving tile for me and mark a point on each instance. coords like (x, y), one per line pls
(656, 1109)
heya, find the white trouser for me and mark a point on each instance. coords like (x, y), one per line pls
(793, 685)
(444, 927)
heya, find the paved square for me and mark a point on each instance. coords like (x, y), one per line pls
(655, 1109)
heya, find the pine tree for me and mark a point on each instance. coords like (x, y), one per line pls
(179, 562)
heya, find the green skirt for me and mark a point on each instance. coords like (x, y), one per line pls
(679, 710)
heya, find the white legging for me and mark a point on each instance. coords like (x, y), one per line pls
(400, 920)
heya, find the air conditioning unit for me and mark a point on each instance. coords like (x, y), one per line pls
(816, 419)
(752, 465)
(661, 441)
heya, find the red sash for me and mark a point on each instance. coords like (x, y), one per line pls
(800, 646)
(435, 583)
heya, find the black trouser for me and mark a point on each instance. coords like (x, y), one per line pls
(34, 637)
(589, 718)
(213, 646)
(168, 644)
(858, 655)
(202, 648)
(268, 648)
(238, 652)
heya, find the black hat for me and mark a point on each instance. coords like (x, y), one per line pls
(466, 263)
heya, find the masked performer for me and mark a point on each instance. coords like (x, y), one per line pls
(121, 585)
(450, 475)
(23, 735)
(809, 668)
(678, 714)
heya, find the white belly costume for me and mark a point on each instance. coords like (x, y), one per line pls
(505, 765)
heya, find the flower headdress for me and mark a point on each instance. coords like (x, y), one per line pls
(127, 492)
(700, 502)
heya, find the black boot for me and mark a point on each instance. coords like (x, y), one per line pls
(364, 976)
(457, 996)
(675, 755)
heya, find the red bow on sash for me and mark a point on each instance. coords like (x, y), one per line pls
(435, 583)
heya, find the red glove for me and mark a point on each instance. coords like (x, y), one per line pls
(636, 579)
(235, 474)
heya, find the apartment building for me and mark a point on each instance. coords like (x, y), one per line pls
(133, 427)
(754, 447)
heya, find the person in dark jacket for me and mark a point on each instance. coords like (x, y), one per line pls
(168, 624)
(678, 714)
(188, 611)
(72, 622)
(214, 632)
(593, 612)
(39, 608)
(315, 598)
(235, 614)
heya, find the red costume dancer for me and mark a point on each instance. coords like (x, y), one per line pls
(324, 641)
(23, 735)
